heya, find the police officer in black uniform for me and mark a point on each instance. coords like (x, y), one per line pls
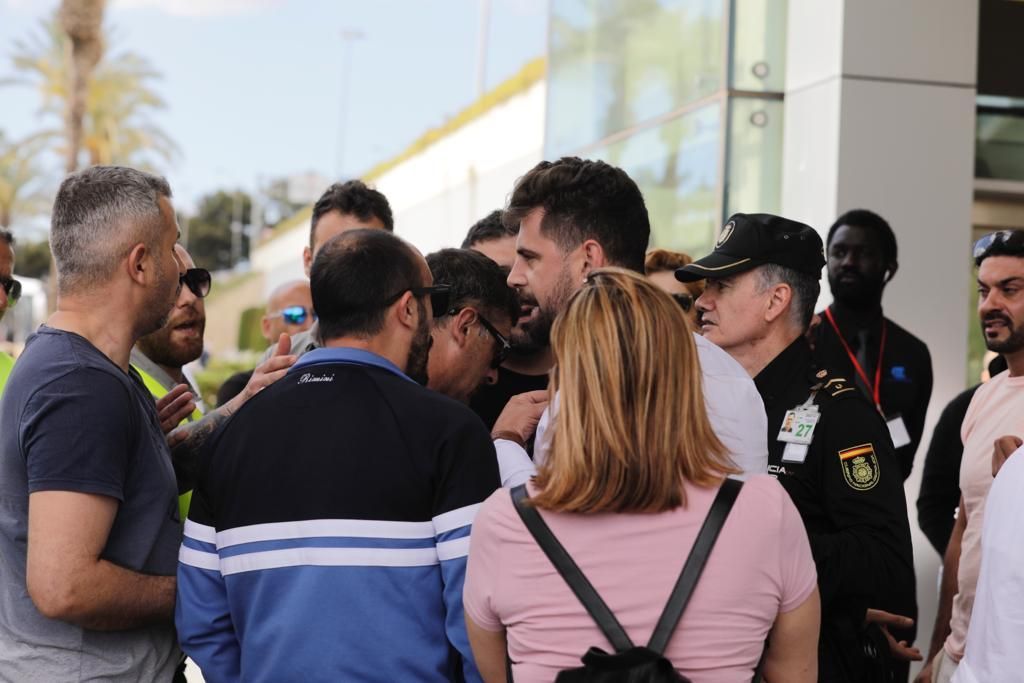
(828, 446)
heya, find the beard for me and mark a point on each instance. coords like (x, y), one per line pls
(419, 351)
(163, 347)
(158, 312)
(535, 334)
(1013, 343)
(858, 293)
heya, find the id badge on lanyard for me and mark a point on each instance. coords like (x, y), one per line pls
(797, 430)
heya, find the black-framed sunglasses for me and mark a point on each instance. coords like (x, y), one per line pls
(685, 301)
(1012, 239)
(198, 280)
(12, 288)
(439, 296)
(295, 315)
(504, 346)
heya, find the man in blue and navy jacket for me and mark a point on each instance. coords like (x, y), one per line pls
(328, 533)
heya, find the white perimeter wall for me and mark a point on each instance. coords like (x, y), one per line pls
(439, 193)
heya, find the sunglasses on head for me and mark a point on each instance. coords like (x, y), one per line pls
(198, 281)
(12, 288)
(685, 301)
(296, 315)
(1012, 240)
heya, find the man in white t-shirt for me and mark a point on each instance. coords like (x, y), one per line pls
(574, 216)
(996, 410)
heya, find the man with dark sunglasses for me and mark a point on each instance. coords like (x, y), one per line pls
(332, 519)
(10, 290)
(470, 339)
(161, 356)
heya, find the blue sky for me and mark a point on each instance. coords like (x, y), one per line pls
(253, 86)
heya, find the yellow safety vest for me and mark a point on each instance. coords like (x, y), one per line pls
(158, 392)
(6, 365)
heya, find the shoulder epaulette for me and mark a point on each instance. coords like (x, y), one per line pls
(838, 386)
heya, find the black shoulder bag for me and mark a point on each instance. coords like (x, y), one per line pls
(629, 663)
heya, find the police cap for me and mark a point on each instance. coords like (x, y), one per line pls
(756, 239)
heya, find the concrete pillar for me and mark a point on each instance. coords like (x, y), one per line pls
(879, 114)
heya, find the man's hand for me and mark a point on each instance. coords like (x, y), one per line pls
(1005, 447)
(518, 420)
(265, 374)
(175, 406)
(925, 675)
(901, 650)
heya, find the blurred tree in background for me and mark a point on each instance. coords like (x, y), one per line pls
(104, 111)
(217, 236)
(33, 258)
(23, 192)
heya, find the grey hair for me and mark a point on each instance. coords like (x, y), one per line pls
(99, 214)
(805, 288)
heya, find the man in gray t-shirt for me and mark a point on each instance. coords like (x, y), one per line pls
(73, 421)
(89, 523)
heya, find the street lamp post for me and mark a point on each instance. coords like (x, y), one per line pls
(348, 37)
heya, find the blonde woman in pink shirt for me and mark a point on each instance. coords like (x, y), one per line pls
(632, 471)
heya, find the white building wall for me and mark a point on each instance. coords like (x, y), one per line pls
(440, 192)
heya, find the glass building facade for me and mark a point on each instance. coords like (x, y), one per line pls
(685, 95)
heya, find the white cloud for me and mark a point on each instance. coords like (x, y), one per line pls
(199, 8)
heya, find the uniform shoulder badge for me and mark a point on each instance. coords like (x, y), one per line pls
(837, 386)
(860, 467)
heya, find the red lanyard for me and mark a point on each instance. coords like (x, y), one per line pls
(876, 389)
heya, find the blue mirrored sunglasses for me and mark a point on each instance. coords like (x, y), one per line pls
(296, 315)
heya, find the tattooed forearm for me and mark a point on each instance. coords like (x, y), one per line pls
(189, 441)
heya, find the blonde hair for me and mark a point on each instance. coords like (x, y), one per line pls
(631, 423)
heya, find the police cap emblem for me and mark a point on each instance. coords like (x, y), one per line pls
(726, 233)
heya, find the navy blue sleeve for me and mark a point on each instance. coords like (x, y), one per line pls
(76, 434)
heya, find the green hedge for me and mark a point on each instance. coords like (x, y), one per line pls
(250, 336)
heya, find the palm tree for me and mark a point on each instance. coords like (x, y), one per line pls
(21, 180)
(82, 21)
(114, 124)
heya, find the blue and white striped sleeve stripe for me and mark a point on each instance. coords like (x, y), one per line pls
(452, 530)
(199, 546)
(202, 614)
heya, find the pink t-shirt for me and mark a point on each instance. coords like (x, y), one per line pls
(761, 565)
(996, 410)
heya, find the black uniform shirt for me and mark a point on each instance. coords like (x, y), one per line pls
(849, 492)
(906, 370)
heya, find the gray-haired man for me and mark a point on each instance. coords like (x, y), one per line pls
(90, 530)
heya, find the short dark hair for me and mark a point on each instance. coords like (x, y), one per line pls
(490, 227)
(353, 198)
(98, 214)
(806, 289)
(475, 280)
(585, 199)
(7, 236)
(869, 220)
(353, 277)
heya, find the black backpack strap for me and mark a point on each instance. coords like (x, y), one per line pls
(569, 570)
(694, 564)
